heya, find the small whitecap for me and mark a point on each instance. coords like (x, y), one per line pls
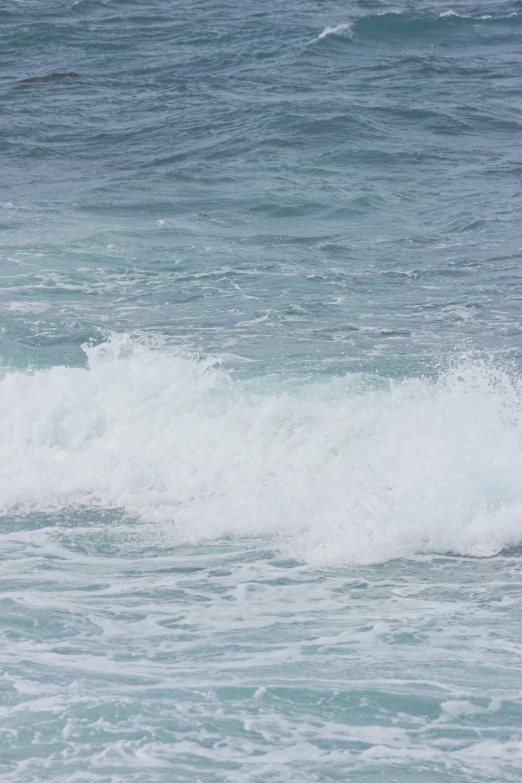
(340, 28)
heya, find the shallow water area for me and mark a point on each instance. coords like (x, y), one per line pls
(229, 662)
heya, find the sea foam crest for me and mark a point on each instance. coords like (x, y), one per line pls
(340, 470)
(390, 25)
(337, 30)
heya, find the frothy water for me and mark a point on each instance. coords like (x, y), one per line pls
(347, 470)
(260, 392)
(340, 28)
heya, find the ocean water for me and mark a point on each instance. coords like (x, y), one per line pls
(260, 391)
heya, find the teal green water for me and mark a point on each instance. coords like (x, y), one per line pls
(260, 391)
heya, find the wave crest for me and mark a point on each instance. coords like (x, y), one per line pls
(396, 24)
(351, 469)
(337, 30)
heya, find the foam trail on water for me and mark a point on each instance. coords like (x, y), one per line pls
(340, 28)
(342, 470)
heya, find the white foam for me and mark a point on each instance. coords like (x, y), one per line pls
(482, 17)
(334, 471)
(340, 28)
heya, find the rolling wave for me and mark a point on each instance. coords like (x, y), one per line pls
(350, 469)
(391, 25)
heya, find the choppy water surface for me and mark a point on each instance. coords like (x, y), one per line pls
(260, 391)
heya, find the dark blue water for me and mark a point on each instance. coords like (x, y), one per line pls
(260, 392)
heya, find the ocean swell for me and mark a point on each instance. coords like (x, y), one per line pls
(407, 26)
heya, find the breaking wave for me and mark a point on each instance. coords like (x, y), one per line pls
(351, 469)
(391, 25)
(337, 30)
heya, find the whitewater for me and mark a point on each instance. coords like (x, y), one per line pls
(260, 392)
(350, 469)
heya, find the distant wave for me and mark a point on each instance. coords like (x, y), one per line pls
(341, 470)
(50, 77)
(399, 24)
(338, 29)
(394, 23)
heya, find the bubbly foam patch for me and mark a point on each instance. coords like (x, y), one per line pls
(338, 470)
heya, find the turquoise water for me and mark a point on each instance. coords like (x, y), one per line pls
(260, 391)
